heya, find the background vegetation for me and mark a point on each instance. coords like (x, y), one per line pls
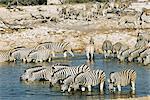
(40, 2)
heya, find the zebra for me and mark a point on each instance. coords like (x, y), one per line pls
(5, 54)
(90, 50)
(141, 43)
(57, 47)
(27, 72)
(116, 48)
(65, 83)
(136, 54)
(88, 79)
(143, 55)
(39, 55)
(65, 72)
(20, 54)
(36, 72)
(122, 78)
(126, 53)
(107, 48)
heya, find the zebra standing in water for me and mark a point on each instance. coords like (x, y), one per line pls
(20, 54)
(122, 78)
(57, 47)
(107, 48)
(41, 72)
(5, 54)
(65, 72)
(39, 55)
(88, 79)
(90, 50)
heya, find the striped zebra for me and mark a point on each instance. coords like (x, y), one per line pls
(39, 55)
(126, 54)
(122, 49)
(65, 72)
(143, 55)
(116, 48)
(5, 54)
(90, 50)
(88, 79)
(107, 48)
(57, 47)
(135, 54)
(122, 78)
(41, 72)
(27, 73)
(20, 54)
(66, 82)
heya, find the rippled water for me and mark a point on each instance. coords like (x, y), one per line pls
(12, 88)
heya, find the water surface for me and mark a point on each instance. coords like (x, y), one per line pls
(12, 88)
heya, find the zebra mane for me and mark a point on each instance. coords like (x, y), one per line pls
(32, 52)
(65, 78)
(36, 66)
(57, 71)
(16, 49)
(111, 73)
(38, 70)
(45, 42)
(60, 64)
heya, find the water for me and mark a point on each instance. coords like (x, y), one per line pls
(12, 88)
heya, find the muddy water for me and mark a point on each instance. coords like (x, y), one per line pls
(12, 88)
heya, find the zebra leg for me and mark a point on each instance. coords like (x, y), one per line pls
(92, 55)
(133, 86)
(65, 54)
(36, 61)
(53, 53)
(119, 88)
(50, 59)
(101, 86)
(89, 88)
(105, 54)
(69, 89)
(88, 55)
(41, 61)
(24, 60)
(82, 88)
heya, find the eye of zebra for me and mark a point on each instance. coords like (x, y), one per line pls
(24, 71)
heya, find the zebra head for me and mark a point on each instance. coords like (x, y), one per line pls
(25, 76)
(66, 82)
(68, 49)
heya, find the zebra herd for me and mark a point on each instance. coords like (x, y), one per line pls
(82, 77)
(140, 52)
(42, 52)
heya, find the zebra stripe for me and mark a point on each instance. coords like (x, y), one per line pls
(88, 79)
(90, 50)
(57, 47)
(122, 78)
(20, 54)
(63, 73)
(39, 55)
(49, 70)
